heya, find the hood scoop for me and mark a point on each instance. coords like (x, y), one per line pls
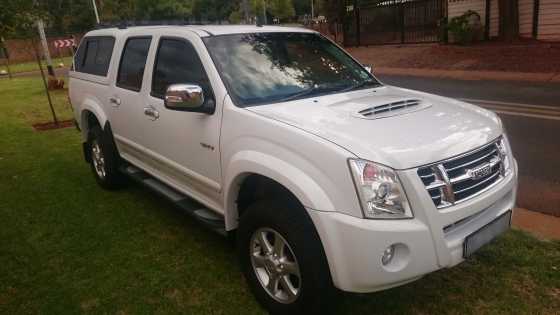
(400, 107)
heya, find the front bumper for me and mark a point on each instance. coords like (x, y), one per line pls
(354, 246)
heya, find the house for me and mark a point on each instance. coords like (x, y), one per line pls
(372, 22)
(538, 19)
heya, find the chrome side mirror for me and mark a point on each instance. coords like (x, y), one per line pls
(188, 97)
(368, 68)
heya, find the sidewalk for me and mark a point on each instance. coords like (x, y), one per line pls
(541, 225)
(522, 61)
(60, 72)
(471, 75)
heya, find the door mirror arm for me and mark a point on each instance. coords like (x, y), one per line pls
(208, 107)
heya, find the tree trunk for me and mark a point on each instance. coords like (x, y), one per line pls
(509, 19)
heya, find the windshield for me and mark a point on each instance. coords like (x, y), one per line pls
(262, 68)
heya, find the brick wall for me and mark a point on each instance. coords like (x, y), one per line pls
(21, 50)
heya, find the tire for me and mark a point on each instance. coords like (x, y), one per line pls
(104, 159)
(303, 256)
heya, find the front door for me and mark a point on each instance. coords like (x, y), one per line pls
(184, 145)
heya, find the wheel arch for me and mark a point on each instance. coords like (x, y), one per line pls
(257, 169)
(89, 119)
(91, 110)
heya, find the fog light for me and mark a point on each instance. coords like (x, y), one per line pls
(388, 255)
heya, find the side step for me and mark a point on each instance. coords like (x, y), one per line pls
(193, 208)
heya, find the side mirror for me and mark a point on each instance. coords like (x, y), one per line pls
(187, 97)
(369, 68)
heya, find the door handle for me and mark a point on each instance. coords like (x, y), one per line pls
(151, 112)
(115, 101)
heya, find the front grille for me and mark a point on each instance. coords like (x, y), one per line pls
(459, 178)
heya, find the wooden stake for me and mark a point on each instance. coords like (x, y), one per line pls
(3, 46)
(8, 67)
(44, 82)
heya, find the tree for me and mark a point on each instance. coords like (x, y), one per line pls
(69, 16)
(235, 17)
(118, 10)
(212, 10)
(302, 7)
(18, 17)
(282, 9)
(164, 9)
(79, 16)
(259, 9)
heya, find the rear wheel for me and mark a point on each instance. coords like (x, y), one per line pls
(98, 159)
(104, 159)
(283, 259)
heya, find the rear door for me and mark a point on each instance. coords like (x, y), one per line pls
(127, 98)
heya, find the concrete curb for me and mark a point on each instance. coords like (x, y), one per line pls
(471, 75)
(536, 223)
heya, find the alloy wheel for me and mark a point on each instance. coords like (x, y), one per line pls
(275, 265)
(98, 159)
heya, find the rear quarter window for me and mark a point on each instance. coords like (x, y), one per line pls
(94, 55)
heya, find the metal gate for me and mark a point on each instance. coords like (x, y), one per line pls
(393, 21)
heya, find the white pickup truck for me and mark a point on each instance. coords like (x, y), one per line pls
(326, 177)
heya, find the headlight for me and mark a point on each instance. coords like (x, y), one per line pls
(380, 191)
(505, 154)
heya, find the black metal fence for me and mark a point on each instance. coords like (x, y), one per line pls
(393, 21)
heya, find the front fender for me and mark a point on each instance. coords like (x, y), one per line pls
(245, 163)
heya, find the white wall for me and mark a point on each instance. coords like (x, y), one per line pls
(458, 7)
(549, 20)
(526, 18)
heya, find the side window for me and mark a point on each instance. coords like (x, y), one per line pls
(177, 62)
(92, 48)
(133, 62)
(94, 55)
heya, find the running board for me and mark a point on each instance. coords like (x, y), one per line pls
(193, 208)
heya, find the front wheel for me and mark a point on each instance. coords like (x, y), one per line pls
(275, 265)
(283, 260)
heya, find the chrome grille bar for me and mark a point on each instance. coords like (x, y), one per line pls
(478, 184)
(463, 177)
(474, 161)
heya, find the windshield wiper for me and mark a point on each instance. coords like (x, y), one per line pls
(323, 89)
(307, 92)
(360, 85)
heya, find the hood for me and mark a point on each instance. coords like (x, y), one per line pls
(419, 129)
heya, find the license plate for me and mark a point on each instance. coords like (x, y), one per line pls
(486, 234)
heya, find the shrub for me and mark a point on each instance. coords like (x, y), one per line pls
(466, 28)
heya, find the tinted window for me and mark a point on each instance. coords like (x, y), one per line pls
(177, 62)
(94, 55)
(133, 62)
(90, 54)
(264, 68)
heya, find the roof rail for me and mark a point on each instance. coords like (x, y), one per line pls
(127, 24)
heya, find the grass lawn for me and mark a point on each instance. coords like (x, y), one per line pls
(67, 247)
(32, 65)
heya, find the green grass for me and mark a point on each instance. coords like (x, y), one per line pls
(33, 66)
(67, 247)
